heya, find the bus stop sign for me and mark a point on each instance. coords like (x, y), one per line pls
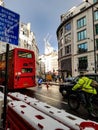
(9, 26)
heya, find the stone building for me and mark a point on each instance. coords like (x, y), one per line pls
(48, 61)
(77, 37)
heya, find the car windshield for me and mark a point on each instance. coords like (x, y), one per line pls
(76, 79)
(94, 77)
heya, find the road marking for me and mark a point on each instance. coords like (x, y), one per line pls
(52, 99)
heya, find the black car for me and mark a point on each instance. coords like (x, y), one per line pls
(66, 87)
(69, 79)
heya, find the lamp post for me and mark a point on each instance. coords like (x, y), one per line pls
(93, 37)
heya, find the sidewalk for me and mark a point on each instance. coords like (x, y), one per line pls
(52, 83)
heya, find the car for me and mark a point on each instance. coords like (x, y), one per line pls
(66, 87)
(69, 79)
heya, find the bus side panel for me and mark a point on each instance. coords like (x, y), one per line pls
(24, 82)
(21, 69)
(23, 79)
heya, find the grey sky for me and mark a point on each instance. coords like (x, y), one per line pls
(44, 16)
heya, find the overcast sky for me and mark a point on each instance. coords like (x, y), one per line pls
(44, 16)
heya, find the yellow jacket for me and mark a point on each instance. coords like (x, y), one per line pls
(84, 84)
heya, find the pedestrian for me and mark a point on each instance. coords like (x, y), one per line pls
(40, 82)
(47, 85)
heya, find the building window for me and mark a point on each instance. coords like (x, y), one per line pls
(81, 22)
(96, 44)
(68, 49)
(61, 52)
(96, 15)
(95, 1)
(58, 44)
(67, 27)
(97, 61)
(82, 35)
(96, 29)
(83, 63)
(68, 38)
(61, 42)
(61, 32)
(82, 48)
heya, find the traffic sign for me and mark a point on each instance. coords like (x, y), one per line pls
(9, 26)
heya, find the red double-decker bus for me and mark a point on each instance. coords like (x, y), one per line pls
(21, 69)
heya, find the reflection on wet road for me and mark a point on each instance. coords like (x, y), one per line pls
(53, 97)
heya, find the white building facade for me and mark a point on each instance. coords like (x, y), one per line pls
(77, 37)
(49, 61)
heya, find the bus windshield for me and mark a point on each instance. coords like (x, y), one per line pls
(22, 54)
(27, 70)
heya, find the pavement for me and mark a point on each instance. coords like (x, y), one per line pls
(51, 83)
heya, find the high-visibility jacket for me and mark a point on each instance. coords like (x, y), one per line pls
(84, 84)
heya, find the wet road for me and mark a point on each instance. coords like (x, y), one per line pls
(53, 97)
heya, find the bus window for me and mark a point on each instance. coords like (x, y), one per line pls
(24, 54)
(27, 70)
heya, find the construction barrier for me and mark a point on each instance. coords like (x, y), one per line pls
(88, 125)
(2, 107)
(65, 118)
(21, 116)
(69, 120)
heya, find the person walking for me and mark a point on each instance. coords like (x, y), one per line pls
(40, 82)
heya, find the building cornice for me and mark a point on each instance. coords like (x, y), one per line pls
(70, 18)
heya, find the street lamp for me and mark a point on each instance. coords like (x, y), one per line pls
(93, 36)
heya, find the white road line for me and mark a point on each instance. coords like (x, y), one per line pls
(52, 99)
